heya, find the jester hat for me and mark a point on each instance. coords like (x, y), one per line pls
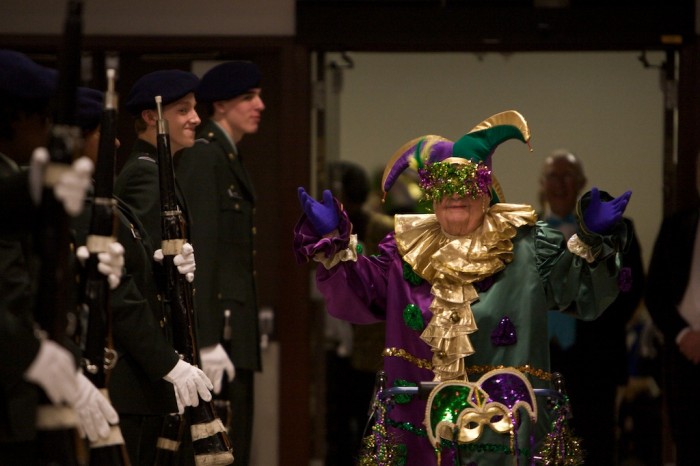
(477, 146)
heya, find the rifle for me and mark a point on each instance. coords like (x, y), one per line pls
(210, 441)
(221, 401)
(55, 309)
(99, 356)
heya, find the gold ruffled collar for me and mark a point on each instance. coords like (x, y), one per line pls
(451, 265)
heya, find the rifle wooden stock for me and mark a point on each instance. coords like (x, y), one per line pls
(210, 441)
(55, 307)
(99, 356)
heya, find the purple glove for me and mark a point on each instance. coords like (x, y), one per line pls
(323, 216)
(599, 216)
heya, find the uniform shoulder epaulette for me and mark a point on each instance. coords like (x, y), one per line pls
(147, 157)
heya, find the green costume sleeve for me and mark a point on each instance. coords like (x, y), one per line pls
(573, 284)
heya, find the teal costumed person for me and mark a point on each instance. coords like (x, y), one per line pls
(465, 293)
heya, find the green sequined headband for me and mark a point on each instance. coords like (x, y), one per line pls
(445, 179)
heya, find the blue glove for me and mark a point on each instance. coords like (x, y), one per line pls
(323, 216)
(599, 216)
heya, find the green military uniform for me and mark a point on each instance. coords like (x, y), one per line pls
(138, 186)
(221, 200)
(142, 340)
(25, 90)
(17, 397)
(141, 332)
(146, 360)
(16, 207)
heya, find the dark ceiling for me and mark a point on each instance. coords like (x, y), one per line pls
(501, 25)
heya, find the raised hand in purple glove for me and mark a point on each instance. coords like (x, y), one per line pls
(323, 216)
(600, 216)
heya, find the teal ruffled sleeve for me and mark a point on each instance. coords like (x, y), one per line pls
(572, 283)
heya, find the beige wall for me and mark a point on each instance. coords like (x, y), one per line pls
(604, 106)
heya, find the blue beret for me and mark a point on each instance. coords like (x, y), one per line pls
(228, 80)
(171, 85)
(23, 78)
(89, 108)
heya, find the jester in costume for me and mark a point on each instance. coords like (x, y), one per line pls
(465, 293)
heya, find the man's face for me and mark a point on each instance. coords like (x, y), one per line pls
(241, 115)
(562, 181)
(459, 216)
(182, 122)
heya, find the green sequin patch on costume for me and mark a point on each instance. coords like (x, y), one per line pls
(410, 276)
(402, 399)
(413, 317)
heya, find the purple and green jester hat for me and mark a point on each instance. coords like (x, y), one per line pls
(463, 167)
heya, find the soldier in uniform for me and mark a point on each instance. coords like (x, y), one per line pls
(137, 183)
(25, 90)
(221, 199)
(142, 337)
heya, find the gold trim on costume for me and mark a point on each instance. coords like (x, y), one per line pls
(430, 139)
(509, 117)
(578, 247)
(347, 254)
(526, 369)
(451, 265)
(405, 355)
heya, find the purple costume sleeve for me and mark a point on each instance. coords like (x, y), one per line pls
(357, 291)
(308, 243)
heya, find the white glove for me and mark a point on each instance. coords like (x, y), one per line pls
(53, 369)
(70, 184)
(73, 184)
(184, 261)
(110, 263)
(40, 157)
(190, 384)
(95, 413)
(215, 362)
